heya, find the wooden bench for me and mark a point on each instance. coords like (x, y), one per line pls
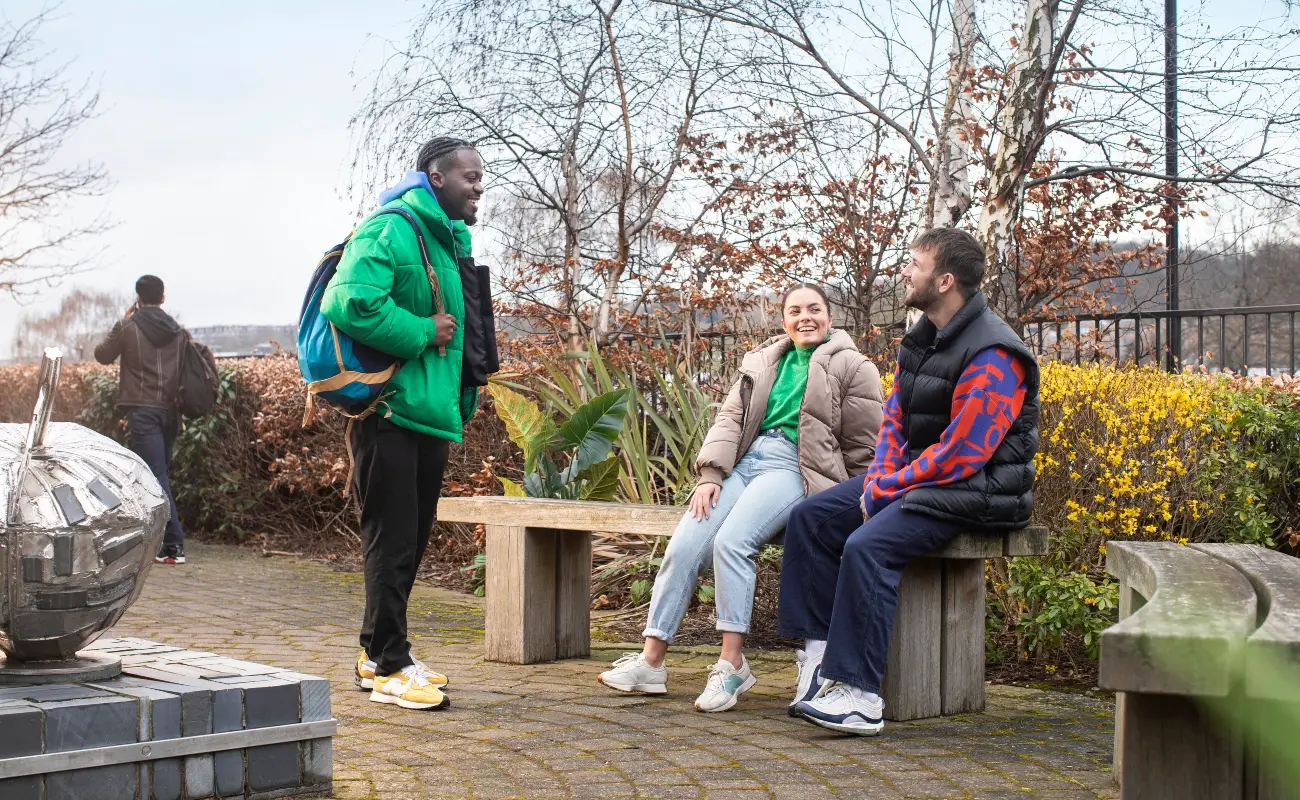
(1208, 639)
(538, 594)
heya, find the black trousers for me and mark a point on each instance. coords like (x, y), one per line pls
(398, 477)
(839, 577)
(151, 433)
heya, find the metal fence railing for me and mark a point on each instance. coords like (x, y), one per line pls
(1248, 340)
(1253, 340)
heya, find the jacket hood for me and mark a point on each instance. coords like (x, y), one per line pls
(415, 179)
(156, 325)
(770, 351)
(425, 205)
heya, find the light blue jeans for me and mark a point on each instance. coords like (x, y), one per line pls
(753, 507)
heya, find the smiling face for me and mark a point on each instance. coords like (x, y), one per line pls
(457, 181)
(806, 318)
(924, 287)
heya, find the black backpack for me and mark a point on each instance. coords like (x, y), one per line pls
(196, 395)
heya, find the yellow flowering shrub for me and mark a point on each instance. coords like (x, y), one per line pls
(1137, 453)
(1118, 451)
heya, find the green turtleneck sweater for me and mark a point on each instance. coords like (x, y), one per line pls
(786, 400)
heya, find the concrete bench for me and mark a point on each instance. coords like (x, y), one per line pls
(538, 593)
(1204, 661)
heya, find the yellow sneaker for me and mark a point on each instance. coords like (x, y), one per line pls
(409, 688)
(365, 671)
(433, 677)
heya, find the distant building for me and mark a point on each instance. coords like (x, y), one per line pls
(246, 341)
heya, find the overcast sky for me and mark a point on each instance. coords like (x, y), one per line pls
(223, 128)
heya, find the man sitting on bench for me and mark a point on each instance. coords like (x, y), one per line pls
(955, 453)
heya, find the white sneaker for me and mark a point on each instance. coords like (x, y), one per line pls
(726, 685)
(810, 678)
(632, 673)
(841, 708)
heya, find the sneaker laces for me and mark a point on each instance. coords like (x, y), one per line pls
(418, 673)
(718, 673)
(833, 691)
(629, 659)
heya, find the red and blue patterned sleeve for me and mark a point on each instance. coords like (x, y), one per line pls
(891, 449)
(987, 400)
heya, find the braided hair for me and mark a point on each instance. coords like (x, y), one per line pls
(433, 155)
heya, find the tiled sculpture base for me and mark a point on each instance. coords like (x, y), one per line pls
(176, 724)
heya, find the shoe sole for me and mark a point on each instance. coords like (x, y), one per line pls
(636, 688)
(855, 730)
(731, 703)
(388, 699)
(169, 561)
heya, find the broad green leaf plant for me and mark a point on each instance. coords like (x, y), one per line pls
(572, 461)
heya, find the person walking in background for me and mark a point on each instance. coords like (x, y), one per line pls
(150, 344)
(802, 416)
(386, 294)
(956, 453)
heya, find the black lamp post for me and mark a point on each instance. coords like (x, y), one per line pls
(1175, 328)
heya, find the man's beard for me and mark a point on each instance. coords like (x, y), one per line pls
(923, 296)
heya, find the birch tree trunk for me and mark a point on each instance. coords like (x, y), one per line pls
(571, 218)
(1019, 128)
(949, 197)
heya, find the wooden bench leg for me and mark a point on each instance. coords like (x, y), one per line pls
(912, 682)
(1129, 601)
(962, 658)
(519, 620)
(573, 594)
(1173, 750)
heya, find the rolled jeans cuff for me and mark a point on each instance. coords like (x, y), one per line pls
(732, 627)
(656, 634)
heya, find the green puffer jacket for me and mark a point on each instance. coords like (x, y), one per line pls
(381, 297)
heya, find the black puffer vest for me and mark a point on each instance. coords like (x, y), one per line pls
(1001, 495)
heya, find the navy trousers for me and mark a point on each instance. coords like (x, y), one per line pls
(151, 434)
(839, 578)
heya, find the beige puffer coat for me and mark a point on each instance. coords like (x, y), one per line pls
(838, 422)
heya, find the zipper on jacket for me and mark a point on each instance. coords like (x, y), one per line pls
(907, 414)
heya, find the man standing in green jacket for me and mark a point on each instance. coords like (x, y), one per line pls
(431, 310)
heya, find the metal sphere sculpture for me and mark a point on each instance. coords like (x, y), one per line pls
(82, 517)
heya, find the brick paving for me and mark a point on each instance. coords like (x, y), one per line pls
(550, 731)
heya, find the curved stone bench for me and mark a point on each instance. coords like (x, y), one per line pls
(538, 587)
(1184, 620)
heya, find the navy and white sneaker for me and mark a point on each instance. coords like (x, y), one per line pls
(843, 709)
(810, 678)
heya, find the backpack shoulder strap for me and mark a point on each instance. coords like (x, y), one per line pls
(438, 306)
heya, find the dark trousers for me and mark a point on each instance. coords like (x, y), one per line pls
(151, 434)
(839, 578)
(398, 477)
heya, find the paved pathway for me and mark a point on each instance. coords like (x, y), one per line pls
(550, 731)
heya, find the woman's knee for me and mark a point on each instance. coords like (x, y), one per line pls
(733, 549)
(688, 547)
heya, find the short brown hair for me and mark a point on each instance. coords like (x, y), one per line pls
(957, 253)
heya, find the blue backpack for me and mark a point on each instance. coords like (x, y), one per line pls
(345, 373)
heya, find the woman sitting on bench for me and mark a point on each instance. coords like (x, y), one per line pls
(802, 417)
